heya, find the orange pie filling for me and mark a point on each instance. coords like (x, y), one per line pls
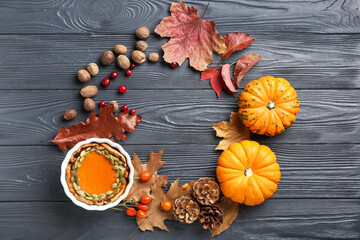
(97, 174)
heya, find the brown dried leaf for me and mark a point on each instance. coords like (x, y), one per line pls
(153, 165)
(233, 131)
(157, 216)
(103, 126)
(230, 210)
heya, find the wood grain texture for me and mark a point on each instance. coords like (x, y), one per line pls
(50, 62)
(308, 171)
(121, 17)
(275, 219)
(177, 117)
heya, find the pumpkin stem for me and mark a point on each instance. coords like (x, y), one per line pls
(271, 105)
(248, 172)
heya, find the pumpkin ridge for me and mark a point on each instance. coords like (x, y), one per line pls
(259, 176)
(276, 115)
(263, 115)
(252, 124)
(246, 89)
(269, 123)
(284, 124)
(281, 94)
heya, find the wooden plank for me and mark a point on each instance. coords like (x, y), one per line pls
(31, 173)
(121, 17)
(274, 219)
(177, 117)
(52, 62)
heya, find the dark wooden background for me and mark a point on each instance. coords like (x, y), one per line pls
(43, 43)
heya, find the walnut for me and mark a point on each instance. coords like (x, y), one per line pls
(83, 75)
(141, 45)
(153, 57)
(89, 104)
(107, 57)
(93, 69)
(138, 56)
(70, 114)
(142, 32)
(120, 49)
(123, 62)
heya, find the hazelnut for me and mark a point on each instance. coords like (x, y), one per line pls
(89, 104)
(83, 75)
(138, 56)
(141, 45)
(123, 62)
(116, 105)
(107, 57)
(70, 114)
(120, 49)
(89, 91)
(153, 57)
(93, 69)
(142, 32)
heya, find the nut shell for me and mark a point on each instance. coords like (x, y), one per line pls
(107, 57)
(83, 75)
(70, 114)
(138, 56)
(89, 91)
(89, 104)
(93, 69)
(116, 105)
(120, 49)
(123, 62)
(153, 57)
(142, 32)
(141, 45)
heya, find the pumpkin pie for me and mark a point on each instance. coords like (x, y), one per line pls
(97, 174)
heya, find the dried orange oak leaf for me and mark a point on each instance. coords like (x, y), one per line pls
(230, 211)
(153, 165)
(232, 132)
(105, 125)
(156, 215)
(190, 37)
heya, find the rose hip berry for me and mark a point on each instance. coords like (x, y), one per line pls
(124, 108)
(132, 66)
(131, 211)
(105, 82)
(122, 89)
(145, 199)
(174, 65)
(113, 75)
(102, 104)
(128, 72)
(132, 111)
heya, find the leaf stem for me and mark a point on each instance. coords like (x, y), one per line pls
(205, 11)
(270, 59)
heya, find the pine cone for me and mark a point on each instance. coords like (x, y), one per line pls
(186, 210)
(206, 191)
(211, 217)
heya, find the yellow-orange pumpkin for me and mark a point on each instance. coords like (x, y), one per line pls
(248, 172)
(268, 105)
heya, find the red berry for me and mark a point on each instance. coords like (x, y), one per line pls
(113, 75)
(124, 108)
(141, 214)
(174, 65)
(105, 82)
(166, 205)
(131, 211)
(145, 175)
(102, 104)
(132, 66)
(145, 199)
(132, 111)
(128, 72)
(122, 89)
(143, 207)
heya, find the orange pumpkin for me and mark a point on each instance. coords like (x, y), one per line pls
(268, 105)
(248, 172)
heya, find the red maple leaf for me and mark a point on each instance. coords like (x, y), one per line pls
(219, 79)
(190, 37)
(103, 126)
(235, 42)
(243, 65)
